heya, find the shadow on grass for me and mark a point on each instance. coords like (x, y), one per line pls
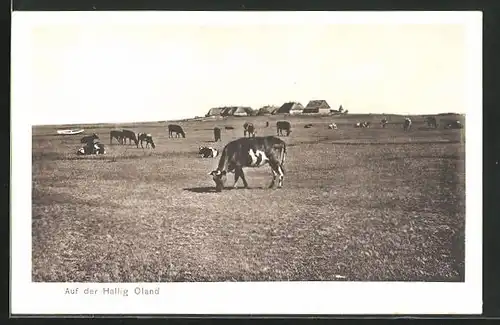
(211, 189)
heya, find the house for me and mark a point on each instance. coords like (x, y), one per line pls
(267, 110)
(290, 108)
(242, 111)
(216, 111)
(317, 107)
(337, 111)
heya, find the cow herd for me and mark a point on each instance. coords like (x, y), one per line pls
(249, 151)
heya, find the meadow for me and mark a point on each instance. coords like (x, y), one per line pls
(368, 204)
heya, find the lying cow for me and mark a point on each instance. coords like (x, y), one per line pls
(454, 125)
(92, 149)
(208, 152)
(250, 152)
(362, 125)
(332, 126)
(141, 137)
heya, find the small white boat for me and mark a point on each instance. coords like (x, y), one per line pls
(70, 131)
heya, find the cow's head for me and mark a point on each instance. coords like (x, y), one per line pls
(219, 178)
(153, 144)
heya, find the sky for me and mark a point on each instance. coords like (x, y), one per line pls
(121, 72)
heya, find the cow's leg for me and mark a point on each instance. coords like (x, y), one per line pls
(274, 169)
(242, 175)
(237, 173)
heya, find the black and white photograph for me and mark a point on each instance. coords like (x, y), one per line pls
(311, 162)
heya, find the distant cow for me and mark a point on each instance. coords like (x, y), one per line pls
(407, 124)
(454, 125)
(89, 138)
(431, 122)
(283, 125)
(332, 126)
(248, 128)
(308, 126)
(383, 122)
(177, 129)
(116, 134)
(229, 127)
(267, 124)
(92, 149)
(362, 125)
(217, 136)
(141, 137)
(208, 152)
(250, 152)
(131, 136)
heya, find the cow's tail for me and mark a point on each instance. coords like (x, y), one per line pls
(223, 160)
(282, 158)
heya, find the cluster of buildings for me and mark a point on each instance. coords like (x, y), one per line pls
(319, 107)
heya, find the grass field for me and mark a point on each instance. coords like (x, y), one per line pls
(357, 204)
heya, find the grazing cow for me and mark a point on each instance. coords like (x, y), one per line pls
(92, 149)
(250, 152)
(116, 134)
(383, 122)
(454, 125)
(332, 126)
(431, 122)
(308, 126)
(141, 137)
(248, 128)
(89, 138)
(217, 136)
(407, 124)
(131, 136)
(177, 129)
(208, 152)
(229, 127)
(283, 125)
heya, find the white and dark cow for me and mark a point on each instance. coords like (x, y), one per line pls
(146, 137)
(96, 148)
(383, 122)
(250, 152)
(208, 152)
(407, 124)
(332, 126)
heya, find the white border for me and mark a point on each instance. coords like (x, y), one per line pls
(250, 297)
